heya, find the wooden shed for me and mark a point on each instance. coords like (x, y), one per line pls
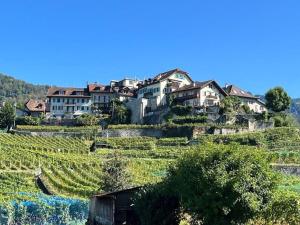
(114, 208)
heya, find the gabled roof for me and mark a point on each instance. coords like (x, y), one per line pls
(67, 92)
(199, 85)
(233, 90)
(166, 74)
(100, 88)
(36, 106)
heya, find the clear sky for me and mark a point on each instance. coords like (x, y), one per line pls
(253, 44)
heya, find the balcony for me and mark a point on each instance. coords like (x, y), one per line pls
(187, 97)
(211, 97)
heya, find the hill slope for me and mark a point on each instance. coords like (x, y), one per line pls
(18, 90)
(295, 108)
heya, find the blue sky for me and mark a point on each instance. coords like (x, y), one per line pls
(253, 44)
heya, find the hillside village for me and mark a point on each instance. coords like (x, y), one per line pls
(148, 100)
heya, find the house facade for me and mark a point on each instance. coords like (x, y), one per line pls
(157, 89)
(254, 103)
(68, 102)
(200, 94)
(102, 95)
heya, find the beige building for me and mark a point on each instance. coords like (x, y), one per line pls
(156, 89)
(200, 94)
(254, 103)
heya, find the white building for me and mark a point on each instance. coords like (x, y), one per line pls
(156, 89)
(200, 94)
(254, 103)
(68, 102)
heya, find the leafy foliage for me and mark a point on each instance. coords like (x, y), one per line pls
(230, 105)
(216, 185)
(277, 99)
(181, 110)
(7, 115)
(87, 120)
(120, 113)
(115, 176)
(28, 120)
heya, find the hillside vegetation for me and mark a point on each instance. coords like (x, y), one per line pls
(20, 91)
(295, 108)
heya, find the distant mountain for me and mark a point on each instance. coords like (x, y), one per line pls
(295, 108)
(20, 91)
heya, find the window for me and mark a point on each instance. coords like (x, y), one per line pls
(82, 100)
(104, 98)
(82, 108)
(78, 100)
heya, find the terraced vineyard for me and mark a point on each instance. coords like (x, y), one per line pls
(66, 167)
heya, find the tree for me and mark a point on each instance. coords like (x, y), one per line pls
(220, 184)
(87, 120)
(277, 99)
(7, 115)
(230, 105)
(115, 174)
(120, 113)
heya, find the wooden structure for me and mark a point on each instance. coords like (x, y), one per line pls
(114, 208)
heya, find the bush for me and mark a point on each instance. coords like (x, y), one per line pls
(87, 120)
(220, 185)
(190, 119)
(28, 120)
(181, 110)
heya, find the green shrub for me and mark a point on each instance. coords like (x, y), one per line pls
(190, 119)
(28, 120)
(181, 110)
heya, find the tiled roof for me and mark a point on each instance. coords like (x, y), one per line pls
(37, 106)
(199, 85)
(236, 91)
(100, 88)
(165, 75)
(67, 92)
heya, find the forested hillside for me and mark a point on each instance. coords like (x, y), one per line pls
(13, 89)
(295, 108)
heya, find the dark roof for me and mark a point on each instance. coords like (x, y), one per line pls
(165, 75)
(233, 90)
(36, 106)
(107, 194)
(100, 88)
(199, 85)
(68, 92)
(122, 90)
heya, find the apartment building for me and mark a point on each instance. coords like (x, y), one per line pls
(68, 102)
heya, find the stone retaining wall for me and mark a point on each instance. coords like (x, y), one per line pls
(288, 169)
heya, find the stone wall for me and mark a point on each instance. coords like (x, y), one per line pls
(55, 134)
(132, 132)
(288, 169)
